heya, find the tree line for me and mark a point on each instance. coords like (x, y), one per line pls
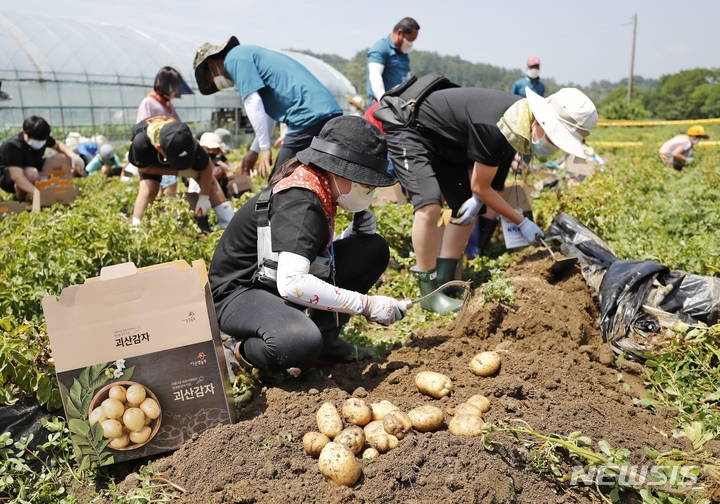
(689, 94)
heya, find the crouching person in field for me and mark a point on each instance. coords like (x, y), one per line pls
(279, 256)
(22, 161)
(163, 146)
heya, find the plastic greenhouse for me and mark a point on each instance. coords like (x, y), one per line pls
(91, 77)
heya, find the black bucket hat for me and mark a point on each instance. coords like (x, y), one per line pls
(179, 145)
(352, 148)
(200, 65)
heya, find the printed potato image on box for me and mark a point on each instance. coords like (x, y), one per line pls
(139, 361)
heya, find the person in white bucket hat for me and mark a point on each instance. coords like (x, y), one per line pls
(459, 151)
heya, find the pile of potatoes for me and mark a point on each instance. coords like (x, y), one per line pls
(126, 415)
(372, 430)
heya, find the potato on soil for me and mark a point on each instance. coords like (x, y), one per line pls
(485, 363)
(397, 423)
(356, 411)
(376, 436)
(314, 442)
(379, 410)
(328, 420)
(466, 425)
(338, 464)
(426, 418)
(467, 409)
(353, 437)
(434, 384)
(480, 402)
(370, 454)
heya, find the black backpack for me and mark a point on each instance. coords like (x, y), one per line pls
(398, 106)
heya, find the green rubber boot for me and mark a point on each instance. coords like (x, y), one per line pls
(439, 303)
(446, 269)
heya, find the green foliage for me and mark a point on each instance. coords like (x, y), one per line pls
(37, 475)
(645, 210)
(614, 106)
(26, 368)
(152, 486)
(690, 94)
(684, 373)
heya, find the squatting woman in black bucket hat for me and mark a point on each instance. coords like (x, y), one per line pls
(279, 256)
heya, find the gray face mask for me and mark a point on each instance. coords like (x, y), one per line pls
(36, 144)
(543, 148)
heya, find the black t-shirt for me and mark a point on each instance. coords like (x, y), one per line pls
(143, 153)
(298, 225)
(15, 152)
(464, 120)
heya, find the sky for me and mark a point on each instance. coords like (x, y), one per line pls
(578, 41)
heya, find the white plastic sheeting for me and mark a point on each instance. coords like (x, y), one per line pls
(79, 73)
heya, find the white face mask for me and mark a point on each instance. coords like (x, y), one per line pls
(543, 148)
(357, 200)
(222, 82)
(405, 46)
(36, 144)
(533, 73)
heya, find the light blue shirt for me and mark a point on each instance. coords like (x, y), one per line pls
(290, 93)
(396, 63)
(96, 163)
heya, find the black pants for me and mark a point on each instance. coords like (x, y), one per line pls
(295, 142)
(279, 333)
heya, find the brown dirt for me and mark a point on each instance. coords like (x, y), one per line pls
(556, 374)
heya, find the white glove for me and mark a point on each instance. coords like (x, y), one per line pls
(383, 309)
(364, 222)
(689, 160)
(467, 211)
(530, 230)
(203, 205)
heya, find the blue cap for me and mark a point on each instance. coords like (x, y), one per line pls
(88, 149)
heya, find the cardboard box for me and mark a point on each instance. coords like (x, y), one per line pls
(57, 172)
(54, 190)
(518, 197)
(578, 168)
(12, 207)
(392, 194)
(238, 183)
(153, 326)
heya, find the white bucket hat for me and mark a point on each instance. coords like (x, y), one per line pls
(566, 116)
(210, 140)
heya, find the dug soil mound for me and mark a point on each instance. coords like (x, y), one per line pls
(556, 374)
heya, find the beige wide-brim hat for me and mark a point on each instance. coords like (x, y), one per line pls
(567, 117)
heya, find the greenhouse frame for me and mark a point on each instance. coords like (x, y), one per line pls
(91, 77)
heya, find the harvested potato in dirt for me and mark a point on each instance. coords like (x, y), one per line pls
(480, 402)
(434, 384)
(376, 436)
(338, 464)
(466, 425)
(485, 363)
(381, 409)
(328, 420)
(370, 454)
(397, 423)
(356, 411)
(314, 442)
(353, 437)
(467, 409)
(426, 418)
(392, 441)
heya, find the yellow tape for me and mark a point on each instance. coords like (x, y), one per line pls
(608, 122)
(602, 143)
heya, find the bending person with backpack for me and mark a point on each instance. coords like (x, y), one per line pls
(459, 148)
(279, 256)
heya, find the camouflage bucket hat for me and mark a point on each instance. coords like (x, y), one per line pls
(200, 65)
